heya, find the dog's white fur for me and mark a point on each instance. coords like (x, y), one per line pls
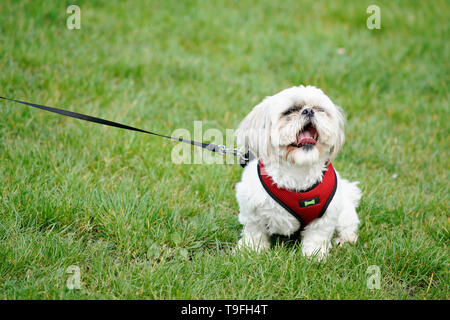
(269, 133)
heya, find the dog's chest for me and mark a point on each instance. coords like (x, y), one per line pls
(277, 220)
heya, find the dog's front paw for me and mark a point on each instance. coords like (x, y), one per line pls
(342, 238)
(319, 251)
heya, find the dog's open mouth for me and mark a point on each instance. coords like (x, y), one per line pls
(307, 137)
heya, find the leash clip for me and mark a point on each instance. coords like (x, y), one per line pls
(244, 157)
(223, 150)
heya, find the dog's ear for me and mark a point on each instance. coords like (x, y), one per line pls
(254, 131)
(340, 137)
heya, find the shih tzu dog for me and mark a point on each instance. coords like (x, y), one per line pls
(291, 187)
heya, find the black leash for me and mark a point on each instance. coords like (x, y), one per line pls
(244, 158)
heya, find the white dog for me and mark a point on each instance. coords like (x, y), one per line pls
(295, 134)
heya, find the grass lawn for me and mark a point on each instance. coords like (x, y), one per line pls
(138, 226)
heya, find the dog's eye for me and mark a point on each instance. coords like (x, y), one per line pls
(319, 109)
(291, 110)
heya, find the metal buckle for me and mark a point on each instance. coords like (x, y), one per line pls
(243, 156)
(222, 149)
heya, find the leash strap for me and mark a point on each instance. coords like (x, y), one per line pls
(244, 158)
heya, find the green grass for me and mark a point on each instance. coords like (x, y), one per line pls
(141, 227)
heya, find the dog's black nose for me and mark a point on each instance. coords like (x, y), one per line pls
(308, 112)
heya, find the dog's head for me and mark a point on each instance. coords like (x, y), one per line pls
(299, 125)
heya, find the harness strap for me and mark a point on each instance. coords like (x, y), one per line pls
(306, 205)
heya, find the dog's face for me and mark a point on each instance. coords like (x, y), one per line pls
(299, 125)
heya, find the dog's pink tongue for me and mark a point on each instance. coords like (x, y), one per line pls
(306, 137)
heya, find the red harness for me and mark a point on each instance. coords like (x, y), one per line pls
(306, 205)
